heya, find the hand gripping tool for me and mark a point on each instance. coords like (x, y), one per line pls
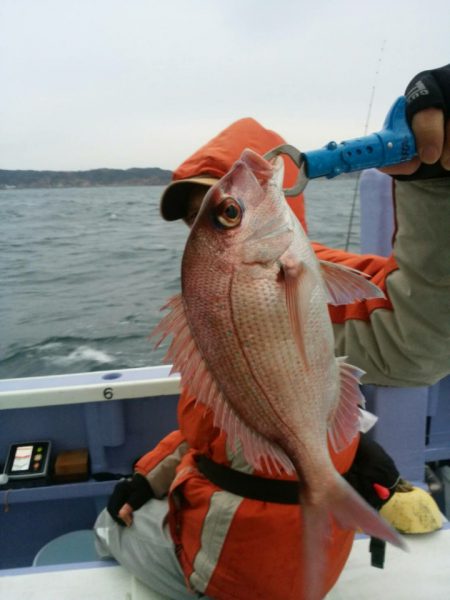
(393, 144)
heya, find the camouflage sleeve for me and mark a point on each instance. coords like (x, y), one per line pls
(408, 344)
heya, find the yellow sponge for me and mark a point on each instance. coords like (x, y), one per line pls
(414, 511)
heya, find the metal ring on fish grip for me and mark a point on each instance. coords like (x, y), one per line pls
(296, 156)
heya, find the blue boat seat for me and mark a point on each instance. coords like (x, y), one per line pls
(72, 547)
(79, 547)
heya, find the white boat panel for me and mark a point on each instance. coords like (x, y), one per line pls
(79, 388)
(423, 572)
(90, 581)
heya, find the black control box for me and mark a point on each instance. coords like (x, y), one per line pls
(28, 460)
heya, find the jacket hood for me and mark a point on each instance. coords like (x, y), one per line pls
(215, 158)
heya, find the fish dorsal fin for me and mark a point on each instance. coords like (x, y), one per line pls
(186, 357)
(345, 285)
(345, 422)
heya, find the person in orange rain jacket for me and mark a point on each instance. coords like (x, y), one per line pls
(200, 522)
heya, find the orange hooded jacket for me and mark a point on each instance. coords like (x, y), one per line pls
(229, 547)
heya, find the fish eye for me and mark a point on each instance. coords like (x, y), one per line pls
(229, 213)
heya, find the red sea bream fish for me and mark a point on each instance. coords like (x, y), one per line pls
(254, 342)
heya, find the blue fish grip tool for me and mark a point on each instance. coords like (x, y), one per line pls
(392, 145)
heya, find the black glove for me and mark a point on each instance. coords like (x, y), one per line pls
(135, 492)
(428, 89)
(373, 473)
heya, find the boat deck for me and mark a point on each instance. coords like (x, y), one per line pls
(423, 572)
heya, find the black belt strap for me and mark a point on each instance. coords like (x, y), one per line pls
(248, 486)
(267, 490)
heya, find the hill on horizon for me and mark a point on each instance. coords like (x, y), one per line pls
(94, 177)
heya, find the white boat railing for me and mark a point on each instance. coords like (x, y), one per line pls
(99, 386)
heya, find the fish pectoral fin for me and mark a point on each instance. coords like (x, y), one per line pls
(345, 285)
(299, 283)
(345, 422)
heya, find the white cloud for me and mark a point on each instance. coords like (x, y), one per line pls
(142, 83)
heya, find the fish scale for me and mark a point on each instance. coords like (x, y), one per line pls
(279, 373)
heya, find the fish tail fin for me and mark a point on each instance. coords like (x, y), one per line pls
(340, 502)
(316, 531)
(351, 511)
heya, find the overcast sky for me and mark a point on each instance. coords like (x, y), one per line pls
(139, 83)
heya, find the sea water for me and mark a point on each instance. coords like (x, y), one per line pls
(85, 271)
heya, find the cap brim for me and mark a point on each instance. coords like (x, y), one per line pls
(174, 199)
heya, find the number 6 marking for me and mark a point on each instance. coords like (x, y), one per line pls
(108, 393)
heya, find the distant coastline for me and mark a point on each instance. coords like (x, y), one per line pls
(93, 178)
